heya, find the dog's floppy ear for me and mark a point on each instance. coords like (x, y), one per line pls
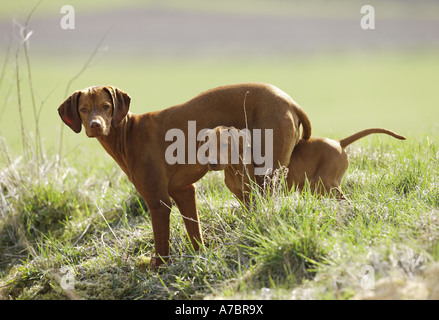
(234, 136)
(121, 104)
(241, 140)
(68, 111)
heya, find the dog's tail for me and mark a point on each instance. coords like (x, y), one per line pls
(304, 120)
(348, 140)
(306, 125)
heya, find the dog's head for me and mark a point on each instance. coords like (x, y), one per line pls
(224, 147)
(97, 108)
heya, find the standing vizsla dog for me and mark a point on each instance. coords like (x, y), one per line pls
(139, 143)
(321, 161)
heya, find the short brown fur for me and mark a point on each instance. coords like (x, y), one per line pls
(137, 142)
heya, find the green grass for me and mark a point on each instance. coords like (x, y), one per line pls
(80, 213)
(289, 246)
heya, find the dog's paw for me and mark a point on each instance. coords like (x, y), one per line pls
(156, 262)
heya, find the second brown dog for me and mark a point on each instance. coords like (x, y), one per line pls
(321, 161)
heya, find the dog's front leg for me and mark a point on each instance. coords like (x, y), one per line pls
(160, 209)
(185, 198)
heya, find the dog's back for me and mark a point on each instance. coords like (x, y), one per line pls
(318, 159)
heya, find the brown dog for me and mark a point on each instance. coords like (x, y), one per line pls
(324, 162)
(321, 161)
(161, 169)
(231, 149)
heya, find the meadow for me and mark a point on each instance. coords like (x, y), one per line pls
(73, 227)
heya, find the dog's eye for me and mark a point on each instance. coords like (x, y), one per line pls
(106, 106)
(83, 109)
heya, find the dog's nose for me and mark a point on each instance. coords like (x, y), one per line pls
(95, 124)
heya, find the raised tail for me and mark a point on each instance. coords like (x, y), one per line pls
(304, 120)
(306, 125)
(348, 140)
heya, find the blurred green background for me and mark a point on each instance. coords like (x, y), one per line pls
(165, 52)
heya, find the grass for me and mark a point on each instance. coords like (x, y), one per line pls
(78, 218)
(289, 246)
